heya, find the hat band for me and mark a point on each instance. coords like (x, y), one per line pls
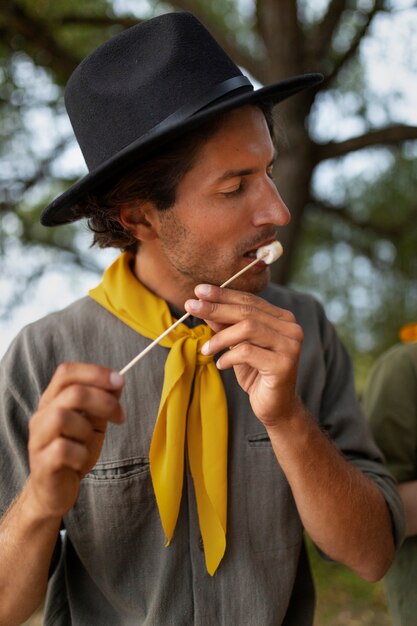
(219, 90)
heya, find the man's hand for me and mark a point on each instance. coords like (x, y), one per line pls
(67, 431)
(66, 435)
(263, 342)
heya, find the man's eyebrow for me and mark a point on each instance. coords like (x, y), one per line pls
(245, 172)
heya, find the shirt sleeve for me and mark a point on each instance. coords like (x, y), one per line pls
(14, 415)
(22, 380)
(342, 418)
(20, 390)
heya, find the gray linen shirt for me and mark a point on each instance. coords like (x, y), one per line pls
(113, 568)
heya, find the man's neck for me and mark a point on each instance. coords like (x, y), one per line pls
(159, 279)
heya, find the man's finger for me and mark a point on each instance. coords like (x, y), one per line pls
(84, 374)
(60, 422)
(212, 293)
(286, 337)
(227, 313)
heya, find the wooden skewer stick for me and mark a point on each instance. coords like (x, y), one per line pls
(265, 253)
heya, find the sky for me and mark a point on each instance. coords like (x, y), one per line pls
(55, 290)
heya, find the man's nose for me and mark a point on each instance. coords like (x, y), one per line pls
(272, 208)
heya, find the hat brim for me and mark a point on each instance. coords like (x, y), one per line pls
(64, 208)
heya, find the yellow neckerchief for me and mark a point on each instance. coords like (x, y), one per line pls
(192, 401)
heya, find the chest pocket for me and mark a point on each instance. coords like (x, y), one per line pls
(115, 516)
(118, 470)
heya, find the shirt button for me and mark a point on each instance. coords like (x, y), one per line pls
(201, 543)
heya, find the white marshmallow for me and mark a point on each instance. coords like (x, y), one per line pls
(270, 253)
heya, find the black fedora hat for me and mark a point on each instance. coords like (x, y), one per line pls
(145, 87)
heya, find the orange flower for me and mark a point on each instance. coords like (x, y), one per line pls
(409, 332)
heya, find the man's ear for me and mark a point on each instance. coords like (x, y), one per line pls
(140, 219)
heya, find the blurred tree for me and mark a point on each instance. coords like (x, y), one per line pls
(357, 252)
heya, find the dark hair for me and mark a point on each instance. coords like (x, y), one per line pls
(154, 180)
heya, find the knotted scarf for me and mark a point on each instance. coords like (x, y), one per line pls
(193, 406)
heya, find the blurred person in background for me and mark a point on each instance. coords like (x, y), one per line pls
(390, 403)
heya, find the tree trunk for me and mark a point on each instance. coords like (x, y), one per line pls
(293, 171)
(278, 25)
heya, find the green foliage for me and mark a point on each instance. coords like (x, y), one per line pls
(362, 260)
(63, 20)
(343, 599)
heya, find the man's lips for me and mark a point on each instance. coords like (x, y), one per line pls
(251, 254)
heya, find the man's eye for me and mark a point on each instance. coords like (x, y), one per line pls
(233, 192)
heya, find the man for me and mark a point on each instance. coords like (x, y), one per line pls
(187, 505)
(390, 402)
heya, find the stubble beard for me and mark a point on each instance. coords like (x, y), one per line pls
(192, 265)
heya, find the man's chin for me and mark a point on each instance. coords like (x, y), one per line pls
(252, 283)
